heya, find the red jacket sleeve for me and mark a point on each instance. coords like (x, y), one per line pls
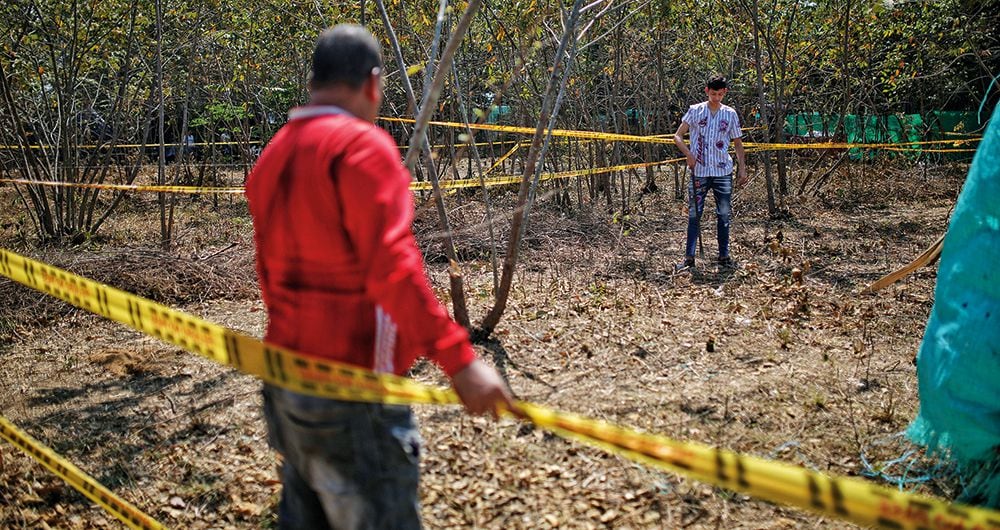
(377, 214)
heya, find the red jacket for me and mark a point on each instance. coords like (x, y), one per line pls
(339, 268)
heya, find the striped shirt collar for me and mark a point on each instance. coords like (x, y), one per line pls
(703, 107)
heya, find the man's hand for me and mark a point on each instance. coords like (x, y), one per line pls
(482, 390)
(741, 177)
(692, 161)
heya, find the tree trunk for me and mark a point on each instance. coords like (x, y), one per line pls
(474, 157)
(549, 110)
(161, 177)
(754, 13)
(419, 138)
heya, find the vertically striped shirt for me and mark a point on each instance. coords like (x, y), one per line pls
(710, 136)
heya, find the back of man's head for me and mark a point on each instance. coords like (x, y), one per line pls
(345, 54)
(717, 82)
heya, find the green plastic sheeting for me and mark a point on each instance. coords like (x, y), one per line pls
(958, 366)
(894, 128)
(497, 112)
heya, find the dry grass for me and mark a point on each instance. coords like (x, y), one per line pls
(804, 369)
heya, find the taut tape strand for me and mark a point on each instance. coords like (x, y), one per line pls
(844, 498)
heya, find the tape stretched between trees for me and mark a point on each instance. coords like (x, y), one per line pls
(123, 146)
(565, 133)
(466, 144)
(129, 187)
(93, 490)
(414, 186)
(907, 149)
(665, 139)
(848, 499)
(471, 183)
(516, 179)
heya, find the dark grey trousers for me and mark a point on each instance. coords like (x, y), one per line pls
(347, 465)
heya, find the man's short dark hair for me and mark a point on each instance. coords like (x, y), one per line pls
(345, 54)
(717, 82)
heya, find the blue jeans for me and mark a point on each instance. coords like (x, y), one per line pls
(346, 465)
(722, 188)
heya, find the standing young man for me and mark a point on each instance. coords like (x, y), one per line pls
(342, 279)
(712, 126)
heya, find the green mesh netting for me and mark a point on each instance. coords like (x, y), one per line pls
(893, 128)
(958, 366)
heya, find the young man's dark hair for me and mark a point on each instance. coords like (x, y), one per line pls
(717, 82)
(345, 54)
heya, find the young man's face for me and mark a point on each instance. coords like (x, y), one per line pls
(716, 95)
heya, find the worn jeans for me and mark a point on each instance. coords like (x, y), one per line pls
(346, 465)
(722, 188)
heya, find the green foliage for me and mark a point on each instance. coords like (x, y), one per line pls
(235, 69)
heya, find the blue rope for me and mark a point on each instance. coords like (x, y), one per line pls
(910, 457)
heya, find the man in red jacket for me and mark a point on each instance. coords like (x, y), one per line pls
(342, 278)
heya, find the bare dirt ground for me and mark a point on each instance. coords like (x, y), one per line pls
(805, 368)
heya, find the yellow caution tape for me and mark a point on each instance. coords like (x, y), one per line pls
(116, 146)
(477, 144)
(93, 490)
(668, 139)
(414, 186)
(515, 179)
(592, 135)
(849, 499)
(665, 138)
(129, 187)
(503, 158)
(920, 150)
(844, 498)
(469, 183)
(279, 366)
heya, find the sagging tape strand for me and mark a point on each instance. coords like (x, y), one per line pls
(273, 364)
(414, 186)
(668, 139)
(844, 498)
(129, 187)
(93, 490)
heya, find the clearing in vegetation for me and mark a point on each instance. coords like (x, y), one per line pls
(783, 358)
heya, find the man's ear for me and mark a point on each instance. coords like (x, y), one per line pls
(373, 88)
